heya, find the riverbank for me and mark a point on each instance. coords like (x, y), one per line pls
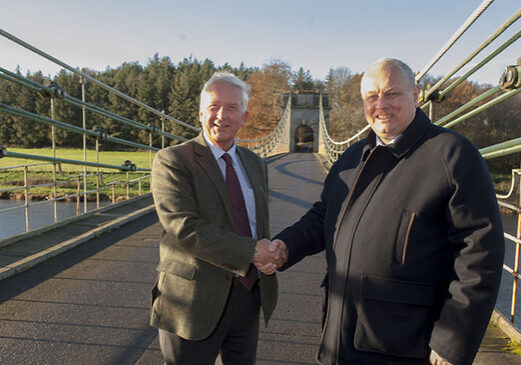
(10, 195)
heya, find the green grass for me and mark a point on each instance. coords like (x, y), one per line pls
(42, 174)
(140, 159)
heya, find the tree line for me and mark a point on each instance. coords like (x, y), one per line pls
(175, 88)
(170, 88)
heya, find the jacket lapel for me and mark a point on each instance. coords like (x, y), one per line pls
(206, 160)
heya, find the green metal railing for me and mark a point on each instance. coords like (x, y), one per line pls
(430, 94)
(329, 148)
(79, 178)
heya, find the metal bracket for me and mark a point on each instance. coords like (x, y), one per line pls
(53, 89)
(100, 132)
(435, 96)
(511, 77)
(127, 163)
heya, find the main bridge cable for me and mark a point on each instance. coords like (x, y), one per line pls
(267, 143)
(92, 79)
(489, 40)
(97, 133)
(487, 59)
(464, 27)
(334, 149)
(42, 89)
(440, 96)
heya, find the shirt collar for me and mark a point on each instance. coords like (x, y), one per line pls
(410, 137)
(379, 142)
(218, 152)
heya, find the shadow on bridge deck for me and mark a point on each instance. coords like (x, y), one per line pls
(90, 305)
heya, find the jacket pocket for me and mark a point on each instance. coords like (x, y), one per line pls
(394, 317)
(404, 235)
(178, 268)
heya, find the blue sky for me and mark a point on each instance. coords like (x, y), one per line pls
(313, 34)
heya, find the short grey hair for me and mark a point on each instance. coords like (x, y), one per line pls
(407, 73)
(228, 78)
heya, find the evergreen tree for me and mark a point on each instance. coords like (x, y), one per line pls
(302, 81)
(67, 113)
(189, 79)
(7, 135)
(127, 79)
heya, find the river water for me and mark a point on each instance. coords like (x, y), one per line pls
(13, 222)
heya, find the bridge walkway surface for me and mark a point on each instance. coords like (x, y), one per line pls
(90, 304)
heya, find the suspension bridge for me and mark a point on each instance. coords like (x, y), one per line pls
(65, 301)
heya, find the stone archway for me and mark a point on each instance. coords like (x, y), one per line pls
(304, 116)
(304, 138)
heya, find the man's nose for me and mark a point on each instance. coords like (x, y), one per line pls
(220, 113)
(382, 102)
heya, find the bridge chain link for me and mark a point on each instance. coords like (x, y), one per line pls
(266, 145)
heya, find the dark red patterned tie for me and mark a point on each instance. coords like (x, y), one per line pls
(242, 223)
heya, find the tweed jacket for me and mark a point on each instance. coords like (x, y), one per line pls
(199, 249)
(414, 245)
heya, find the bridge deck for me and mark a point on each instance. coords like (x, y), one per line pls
(90, 305)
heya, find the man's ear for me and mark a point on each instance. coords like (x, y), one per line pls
(416, 93)
(244, 117)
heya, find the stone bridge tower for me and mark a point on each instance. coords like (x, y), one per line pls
(304, 128)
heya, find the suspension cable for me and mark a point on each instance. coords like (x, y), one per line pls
(92, 79)
(464, 27)
(489, 40)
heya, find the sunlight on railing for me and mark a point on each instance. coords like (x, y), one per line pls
(78, 184)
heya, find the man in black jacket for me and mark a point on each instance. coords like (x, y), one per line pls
(412, 233)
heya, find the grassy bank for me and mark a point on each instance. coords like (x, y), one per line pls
(42, 173)
(140, 159)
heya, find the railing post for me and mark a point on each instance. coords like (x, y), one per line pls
(163, 129)
(139, 187)
(114, 192)
(98, 173)
(53, 140)
(78, 193)
(26, 203)
(150, 144)
(516, 263)
(84, 124)
(128, 185)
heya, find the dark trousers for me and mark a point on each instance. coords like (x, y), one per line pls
(234, 338)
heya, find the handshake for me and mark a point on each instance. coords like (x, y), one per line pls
(270, 255)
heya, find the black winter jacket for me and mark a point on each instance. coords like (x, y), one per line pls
(414, 245)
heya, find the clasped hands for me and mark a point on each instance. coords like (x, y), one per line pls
(270, 255)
